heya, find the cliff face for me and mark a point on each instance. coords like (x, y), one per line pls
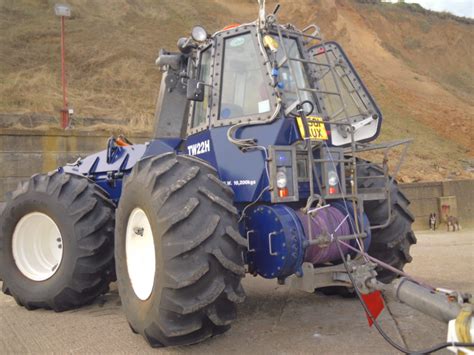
(417, 64)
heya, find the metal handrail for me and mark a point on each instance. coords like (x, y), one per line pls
(345, 124)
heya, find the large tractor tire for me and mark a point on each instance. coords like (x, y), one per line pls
(56, 242)
(178, 251)
(392, 243)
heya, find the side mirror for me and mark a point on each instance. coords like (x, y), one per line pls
(185, 45)
(195, 90)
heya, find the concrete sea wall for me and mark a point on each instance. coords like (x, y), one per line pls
(27, 152)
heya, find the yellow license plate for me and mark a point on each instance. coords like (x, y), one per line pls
(317, 131)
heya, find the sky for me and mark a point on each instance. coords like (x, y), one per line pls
(458, 7)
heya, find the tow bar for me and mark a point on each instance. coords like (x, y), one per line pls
(452, 307)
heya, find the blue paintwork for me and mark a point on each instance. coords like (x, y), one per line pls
(113, 189)
(96, 168)
(244, 172)
(120, 163)
(97, 163)
(287, 241)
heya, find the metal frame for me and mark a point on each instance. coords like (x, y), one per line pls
(334, 275)
(302, 155)
(343, 124)
(192, 130)
(339, 169)
(310, 63)
(388, 178)
(287, 59)
(361, 90)
(273, 169)
(293, 35)
(355, 197)
(314, 278)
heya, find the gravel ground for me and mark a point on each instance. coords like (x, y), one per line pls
(274, 319)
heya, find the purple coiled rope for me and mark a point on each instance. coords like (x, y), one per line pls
(325, 221)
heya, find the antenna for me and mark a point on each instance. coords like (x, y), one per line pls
(277, 7)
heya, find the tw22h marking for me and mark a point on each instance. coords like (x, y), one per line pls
(200, 148)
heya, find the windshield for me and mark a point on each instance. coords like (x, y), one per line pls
(292, 78)
(244, 89)
(350, 102)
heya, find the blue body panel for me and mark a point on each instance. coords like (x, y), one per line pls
(124, 159)
(244, 172)
(108, 172)
(278, 237)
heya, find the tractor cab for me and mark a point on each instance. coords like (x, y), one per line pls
(249, 74)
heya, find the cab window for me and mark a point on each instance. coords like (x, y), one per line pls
(289, 82)
(244, 90)
(350, 98)
(200, 108)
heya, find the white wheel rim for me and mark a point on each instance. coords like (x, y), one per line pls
(140, 254)
(37, 246)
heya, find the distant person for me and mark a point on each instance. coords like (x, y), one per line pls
(454, 223)
(433, 221)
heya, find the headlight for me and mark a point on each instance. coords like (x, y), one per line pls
(333, 178)
(199, 34)
(281, 179)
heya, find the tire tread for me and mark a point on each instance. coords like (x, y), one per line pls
(202, 250)
(92, 215)
(392, 243)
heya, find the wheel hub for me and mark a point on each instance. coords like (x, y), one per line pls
(37, 246)
(140, 254)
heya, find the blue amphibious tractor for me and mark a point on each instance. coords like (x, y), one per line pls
(255, 168)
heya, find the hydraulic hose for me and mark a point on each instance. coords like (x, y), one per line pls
(379, 328)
